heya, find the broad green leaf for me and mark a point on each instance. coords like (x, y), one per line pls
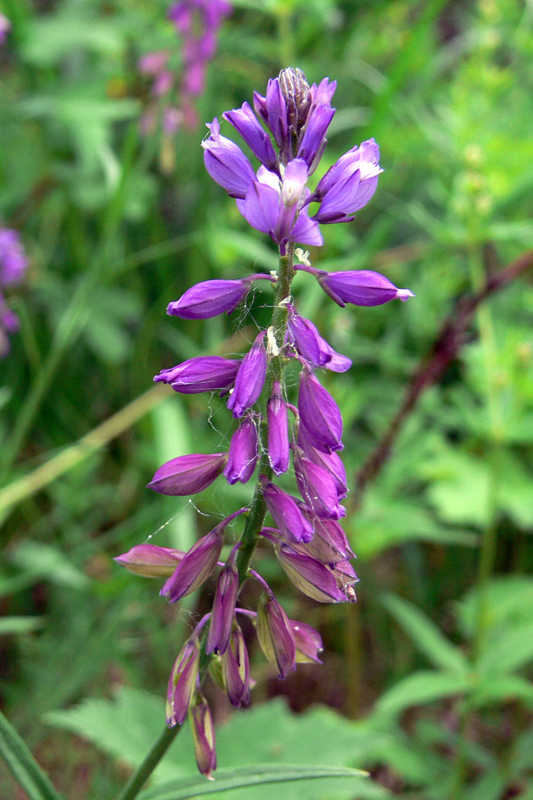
(509, 601)
(268, 735)
(502, 689)
(22, 764)
(490, 786)
(508, 648)
(248, 776)
(419, 689)
(19, 624)
(426, 635)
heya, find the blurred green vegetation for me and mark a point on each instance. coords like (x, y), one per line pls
(435, 660)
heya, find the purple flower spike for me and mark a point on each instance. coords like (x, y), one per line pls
(151, 561)
(182, 683)
(317, 487)
(236, 669)
(203, 734)
(360, 287)
(250, 378)
(308, 642)
(312, 347)
(278, 431)
(275, 635)
(242, 456)
(348, 185)
(201, 374)
(210, 298)
(286, 513)
(226, 163)
(188, 474)
(13, 261)
(309, 575)
(245, 122)
(198, 563)
(319, 414)
(223, 607)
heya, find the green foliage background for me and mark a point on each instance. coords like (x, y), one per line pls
(435, 660)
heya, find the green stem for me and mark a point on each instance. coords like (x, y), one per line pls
(257, 514)
(143, 772)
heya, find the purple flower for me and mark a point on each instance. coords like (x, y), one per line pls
(151, 561)
(272, 109)
(226, 163)
(13, 261)
(309, 575)
(250, 378)
(329, 543)
(198, 563)
(312, 347)
(360, 287)
(210, 298)
(236, 669)
(153, 63)
(5, 27)
(188, 474)
(242, 456)
(275, 635)
(223, 608)
(286, 513)
(245, 122)
(314, 139)
(319, 414)
(182, 683)
(308, 642)
(317, 487)
(345, 576)
(331, 462)
(278, 431)
(201, 374)
(203, 734)
(273, 207)
(348, 185)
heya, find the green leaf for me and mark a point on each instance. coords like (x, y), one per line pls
(19, 624)
(247, 776)
(501, 689)
(508, 649)
(22, 764)
(268, 734)
(426, 635)
(421, 688)
(48, 562)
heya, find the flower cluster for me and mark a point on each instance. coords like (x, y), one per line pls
(197, 22)
(13, 265)
(271, 433)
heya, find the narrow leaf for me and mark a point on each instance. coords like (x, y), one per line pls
(243, 777)
(501, 689)
(421, 688)
(508, 649)
(22, 764)
(426, 635)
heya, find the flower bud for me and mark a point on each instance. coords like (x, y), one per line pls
(198, 564)
(278, 431)
(360, 287)
(151, 561)
(317, 487)
(250, 378)
(182, 683)
(309, 575)
(275, 635)
(188, 474)
(286, 513)
(272, 109)
(223, 608)
(329, 461)
(236, 669)
(245, 122)
(308, 642)
(346, 578)
(312, 347)
(201, 374)
(242, 456)
(203, 734)
(319, 414)
(329, 543)
(297, 94)
(210, 298)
